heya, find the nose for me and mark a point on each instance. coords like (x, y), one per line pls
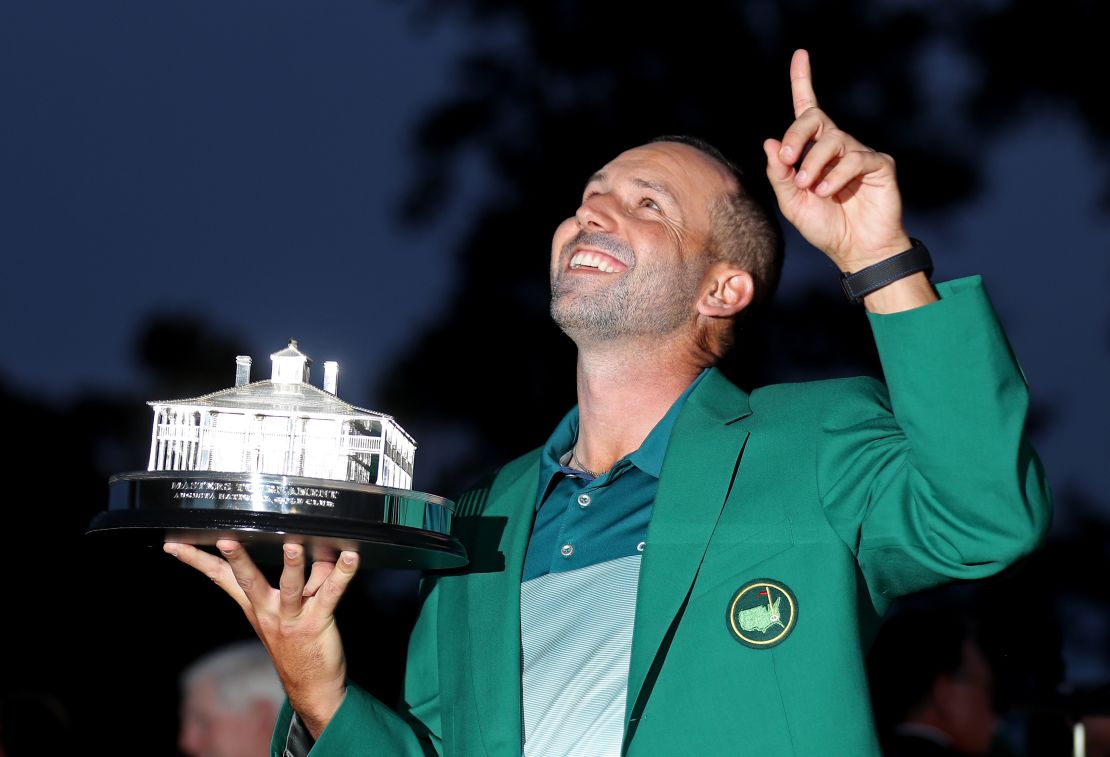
(596, 212)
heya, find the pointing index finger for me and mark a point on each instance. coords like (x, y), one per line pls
(801, 83)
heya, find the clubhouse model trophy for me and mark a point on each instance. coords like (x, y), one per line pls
(282, 460)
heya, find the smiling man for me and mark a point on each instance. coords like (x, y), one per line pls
(685, 209)
(683, 567)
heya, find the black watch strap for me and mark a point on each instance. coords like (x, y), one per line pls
(863, 282)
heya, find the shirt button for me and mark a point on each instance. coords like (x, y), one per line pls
(583, 500)
(567, 550)
(640, 547)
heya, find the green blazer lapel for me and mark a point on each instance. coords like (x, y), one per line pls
(701, 461)
(493, 612)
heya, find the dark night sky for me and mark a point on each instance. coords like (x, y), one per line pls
(240, 160)
(245, 160)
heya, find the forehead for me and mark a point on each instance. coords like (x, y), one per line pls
(679, 167)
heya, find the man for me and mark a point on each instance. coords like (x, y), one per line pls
(685, 568)
(932, 686)
(230, 701)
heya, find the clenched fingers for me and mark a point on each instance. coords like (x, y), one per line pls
(826, 153)
(811, 126)
(857, 164)
(780, 174)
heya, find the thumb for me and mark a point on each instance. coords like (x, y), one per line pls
(781, 175)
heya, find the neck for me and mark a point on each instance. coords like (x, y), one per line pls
(623, 391)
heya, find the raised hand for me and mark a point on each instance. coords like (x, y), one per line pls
(296, 621)
(843, 197)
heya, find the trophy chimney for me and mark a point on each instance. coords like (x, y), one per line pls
(242, 370)
(331, 377)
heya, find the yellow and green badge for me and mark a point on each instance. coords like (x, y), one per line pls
(762, 613)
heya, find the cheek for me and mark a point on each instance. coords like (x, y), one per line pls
(233, 735)
(666, 240)
(661, 246)
(564, 232)
(674, 234)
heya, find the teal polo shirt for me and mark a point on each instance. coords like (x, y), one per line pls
(578, 591)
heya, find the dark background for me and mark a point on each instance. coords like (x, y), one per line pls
(184, 182)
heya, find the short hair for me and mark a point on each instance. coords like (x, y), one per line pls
(744, 232)
(242, 672)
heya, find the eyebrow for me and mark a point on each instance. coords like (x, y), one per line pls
(642, 183)
(654, 187)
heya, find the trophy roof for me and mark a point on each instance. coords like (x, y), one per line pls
(276, 396)
(291, 351)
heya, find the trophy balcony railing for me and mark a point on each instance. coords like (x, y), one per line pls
(170, 432)
(361, 443)
(178, 432)
(181, 447)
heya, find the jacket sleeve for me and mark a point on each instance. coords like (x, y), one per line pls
(931, 478)
(364, 725)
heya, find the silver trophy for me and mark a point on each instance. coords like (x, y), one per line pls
(282, 460)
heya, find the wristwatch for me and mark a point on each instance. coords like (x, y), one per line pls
(865, 281)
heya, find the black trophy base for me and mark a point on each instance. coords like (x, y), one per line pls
(389, 528)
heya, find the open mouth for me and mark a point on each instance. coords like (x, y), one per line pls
(590, 259)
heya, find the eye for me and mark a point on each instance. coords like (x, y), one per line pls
(647, 202)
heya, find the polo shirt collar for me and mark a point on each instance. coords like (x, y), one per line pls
(648, 457)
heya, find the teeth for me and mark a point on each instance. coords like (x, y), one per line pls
(590, 260)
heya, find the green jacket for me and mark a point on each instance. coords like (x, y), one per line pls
(843, 492)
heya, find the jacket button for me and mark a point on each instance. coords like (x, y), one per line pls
(583, 500)
(567, 550)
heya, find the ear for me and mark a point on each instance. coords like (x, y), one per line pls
(725, 291)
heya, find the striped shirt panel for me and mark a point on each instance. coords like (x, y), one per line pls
(577, 639)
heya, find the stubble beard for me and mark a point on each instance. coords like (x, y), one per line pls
(648, 299)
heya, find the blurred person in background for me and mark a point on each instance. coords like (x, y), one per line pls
(230, 701)
(932, 686)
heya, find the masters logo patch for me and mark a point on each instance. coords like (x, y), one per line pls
(762, 613)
